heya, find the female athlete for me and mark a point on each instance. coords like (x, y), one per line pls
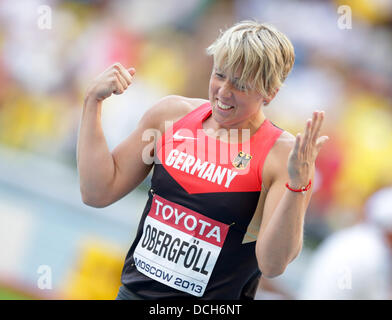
(229, 189)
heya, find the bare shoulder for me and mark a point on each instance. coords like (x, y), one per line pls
(283, 144)
(275, 165)
(169, 109)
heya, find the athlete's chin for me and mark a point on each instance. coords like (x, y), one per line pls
(222, 120)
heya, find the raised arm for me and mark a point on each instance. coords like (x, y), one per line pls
(100, 170)
(105, 176)
(281, 232)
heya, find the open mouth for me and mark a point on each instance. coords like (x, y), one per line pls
(222, 106)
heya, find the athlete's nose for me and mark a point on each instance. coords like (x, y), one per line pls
(225, 90)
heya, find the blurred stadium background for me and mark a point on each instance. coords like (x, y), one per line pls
(47, 61)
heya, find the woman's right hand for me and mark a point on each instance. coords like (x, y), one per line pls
(114, 79)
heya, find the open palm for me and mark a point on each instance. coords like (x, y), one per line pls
(304, 153)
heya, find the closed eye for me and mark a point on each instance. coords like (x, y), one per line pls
(241, 88)
(220, 75)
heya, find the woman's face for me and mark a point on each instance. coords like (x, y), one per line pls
(232, 107)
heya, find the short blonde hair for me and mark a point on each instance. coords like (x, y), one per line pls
(265, 54)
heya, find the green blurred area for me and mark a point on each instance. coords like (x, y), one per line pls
(7, 294)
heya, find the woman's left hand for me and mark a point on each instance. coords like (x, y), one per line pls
(305, 151)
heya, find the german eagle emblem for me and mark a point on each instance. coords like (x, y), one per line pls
(242, 160)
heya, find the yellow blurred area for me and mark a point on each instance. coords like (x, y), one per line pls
(96, 275)
(366, 133)
(27, 122)
(81, 11)
(163, 67)
(374, 11)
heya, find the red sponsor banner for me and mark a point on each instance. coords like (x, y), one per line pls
(188, 221)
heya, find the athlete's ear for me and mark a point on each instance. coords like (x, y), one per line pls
(268, 99)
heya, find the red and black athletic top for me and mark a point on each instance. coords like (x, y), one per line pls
(196, 238)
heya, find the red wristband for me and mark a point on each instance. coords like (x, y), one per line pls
(303, 189)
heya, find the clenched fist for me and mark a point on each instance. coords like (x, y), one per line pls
(114, 79)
